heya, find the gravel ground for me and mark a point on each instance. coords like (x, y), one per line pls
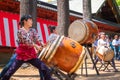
(31, 73)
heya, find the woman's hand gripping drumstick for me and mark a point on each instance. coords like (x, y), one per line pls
(38, 48)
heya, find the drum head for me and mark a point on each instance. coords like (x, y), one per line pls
(77, 30)
(105, 53)
(109, 56)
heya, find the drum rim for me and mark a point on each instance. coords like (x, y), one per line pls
(80, 61)
(51, 47)
(41, 54)
(87, 33)
(44, 53)
(45, 50)
(52, 53)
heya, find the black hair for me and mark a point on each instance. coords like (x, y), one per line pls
(52, 28)
(24, 17)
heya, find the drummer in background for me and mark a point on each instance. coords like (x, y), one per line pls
(116, 44)
(53, 34)
(104, 42)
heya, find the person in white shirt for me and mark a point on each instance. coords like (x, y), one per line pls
(53, 34)
(116, 44)
(103, 42)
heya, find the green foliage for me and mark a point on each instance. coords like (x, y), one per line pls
(118, 2)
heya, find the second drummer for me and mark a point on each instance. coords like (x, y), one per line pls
(53, 34)
(103, 42)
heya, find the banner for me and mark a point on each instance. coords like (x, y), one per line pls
(9, 27)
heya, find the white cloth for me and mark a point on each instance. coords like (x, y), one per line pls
(102, 50)
(115, 42)
(52, 37)
(102, 42)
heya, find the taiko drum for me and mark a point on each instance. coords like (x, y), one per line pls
(105, 53)
(84, 32)
(65, 53)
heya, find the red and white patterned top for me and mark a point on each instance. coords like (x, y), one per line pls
(25, 50)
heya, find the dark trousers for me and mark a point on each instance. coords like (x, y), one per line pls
(5, 69)
(35, 62)
(116, 52)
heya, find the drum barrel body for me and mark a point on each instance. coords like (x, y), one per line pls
(68, 55)
(84, 32)
(105, 54)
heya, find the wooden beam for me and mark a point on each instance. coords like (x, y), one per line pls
(114, 10)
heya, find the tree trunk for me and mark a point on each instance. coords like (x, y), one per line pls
(29, 7)
(63, 17)
(87, 10)
(33, 11)
(24, 7)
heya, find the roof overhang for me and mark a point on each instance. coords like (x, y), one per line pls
(48, 11)
(95, 5)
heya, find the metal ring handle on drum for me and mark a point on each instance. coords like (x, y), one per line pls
(73, 44)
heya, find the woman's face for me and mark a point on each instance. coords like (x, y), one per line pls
(116, 37)
(54, 31)
(103, 36)
(28, 23)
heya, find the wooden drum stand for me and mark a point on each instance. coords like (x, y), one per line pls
(87, 46)
(62, 75)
